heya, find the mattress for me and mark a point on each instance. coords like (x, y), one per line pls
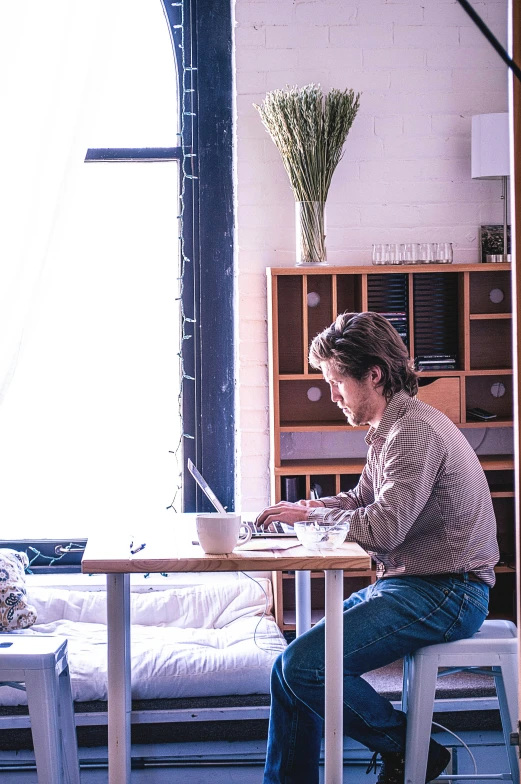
(211, 639)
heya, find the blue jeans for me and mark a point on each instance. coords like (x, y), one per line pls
(382, 623)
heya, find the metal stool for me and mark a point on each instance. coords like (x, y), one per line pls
(40, 662)
(495, 646)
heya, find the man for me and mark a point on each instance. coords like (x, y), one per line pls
(423, 510)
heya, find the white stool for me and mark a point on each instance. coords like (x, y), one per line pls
(495, 646)
(41, 663)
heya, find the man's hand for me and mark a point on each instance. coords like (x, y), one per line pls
(310, 502)
(284, 511)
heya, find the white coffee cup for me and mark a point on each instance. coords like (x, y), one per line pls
(219, 533)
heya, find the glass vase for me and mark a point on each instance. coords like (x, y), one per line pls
(310, 232)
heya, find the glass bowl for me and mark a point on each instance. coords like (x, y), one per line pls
(321, 536)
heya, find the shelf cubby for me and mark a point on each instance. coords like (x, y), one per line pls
(490, 294)
(325, 484)
(436, 315)
(318, 306)
(290, 320)
(505, 516)
(349, 294)
(490, 343)
(307, 401)
(492, 393)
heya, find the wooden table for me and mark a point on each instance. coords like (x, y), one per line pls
(173, 551)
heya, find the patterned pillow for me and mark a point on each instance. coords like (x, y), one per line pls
(15, 613)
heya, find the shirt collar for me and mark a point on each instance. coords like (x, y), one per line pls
(394, 409)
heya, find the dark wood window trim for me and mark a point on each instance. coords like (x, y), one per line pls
(209, 401)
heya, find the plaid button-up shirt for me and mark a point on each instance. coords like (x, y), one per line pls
(422, 505)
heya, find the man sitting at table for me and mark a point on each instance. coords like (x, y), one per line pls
(423, 510)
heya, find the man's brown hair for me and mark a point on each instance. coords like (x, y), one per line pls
(356, 342)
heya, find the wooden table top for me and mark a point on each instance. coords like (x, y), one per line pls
(175, 553)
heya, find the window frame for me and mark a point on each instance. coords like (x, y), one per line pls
(208, 235)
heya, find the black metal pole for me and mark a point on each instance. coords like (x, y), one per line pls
(491, 38)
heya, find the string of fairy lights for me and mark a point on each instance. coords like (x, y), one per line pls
(188, 167)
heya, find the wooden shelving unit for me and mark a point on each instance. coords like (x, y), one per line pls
(461, 310)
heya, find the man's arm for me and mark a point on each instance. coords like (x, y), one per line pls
(342, 504)
(413, 457)
(411, 463)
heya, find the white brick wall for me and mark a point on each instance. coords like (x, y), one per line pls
(423, 70)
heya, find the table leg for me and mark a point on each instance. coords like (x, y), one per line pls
(334, 738)
(118, 670)
(303, 601)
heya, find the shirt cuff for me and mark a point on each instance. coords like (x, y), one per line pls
(330, 515)
(318, 514)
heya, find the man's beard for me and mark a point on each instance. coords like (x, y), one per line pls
(356, 418)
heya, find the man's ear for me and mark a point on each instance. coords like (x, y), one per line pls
(375, 374)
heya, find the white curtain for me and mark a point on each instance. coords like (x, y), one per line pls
(51, 55)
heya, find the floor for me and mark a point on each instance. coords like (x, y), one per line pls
(241, 762)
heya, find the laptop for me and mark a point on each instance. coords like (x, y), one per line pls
(281, 529)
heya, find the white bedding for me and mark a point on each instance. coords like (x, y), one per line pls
(189, 641)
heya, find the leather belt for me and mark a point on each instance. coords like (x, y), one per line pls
(473, 578)
(460, 575)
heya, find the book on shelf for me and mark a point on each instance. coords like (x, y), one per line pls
(435, 362)
(437, 357)
(436, 366)
(291, 488)
(398, 319)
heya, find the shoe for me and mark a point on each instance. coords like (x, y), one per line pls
(392, 769)
(438, 760)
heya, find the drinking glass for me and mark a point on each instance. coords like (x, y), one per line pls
(393, 253)
(411, 253)
(444, 253)
(379, 253)
(428, 252)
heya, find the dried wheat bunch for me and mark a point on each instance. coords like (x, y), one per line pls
(309, 131)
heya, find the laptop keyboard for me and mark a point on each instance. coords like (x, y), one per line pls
(279, 530)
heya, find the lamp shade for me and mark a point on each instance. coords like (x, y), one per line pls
(490, 146)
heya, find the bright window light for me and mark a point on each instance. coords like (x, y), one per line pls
(137, 102)
(92, 410)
